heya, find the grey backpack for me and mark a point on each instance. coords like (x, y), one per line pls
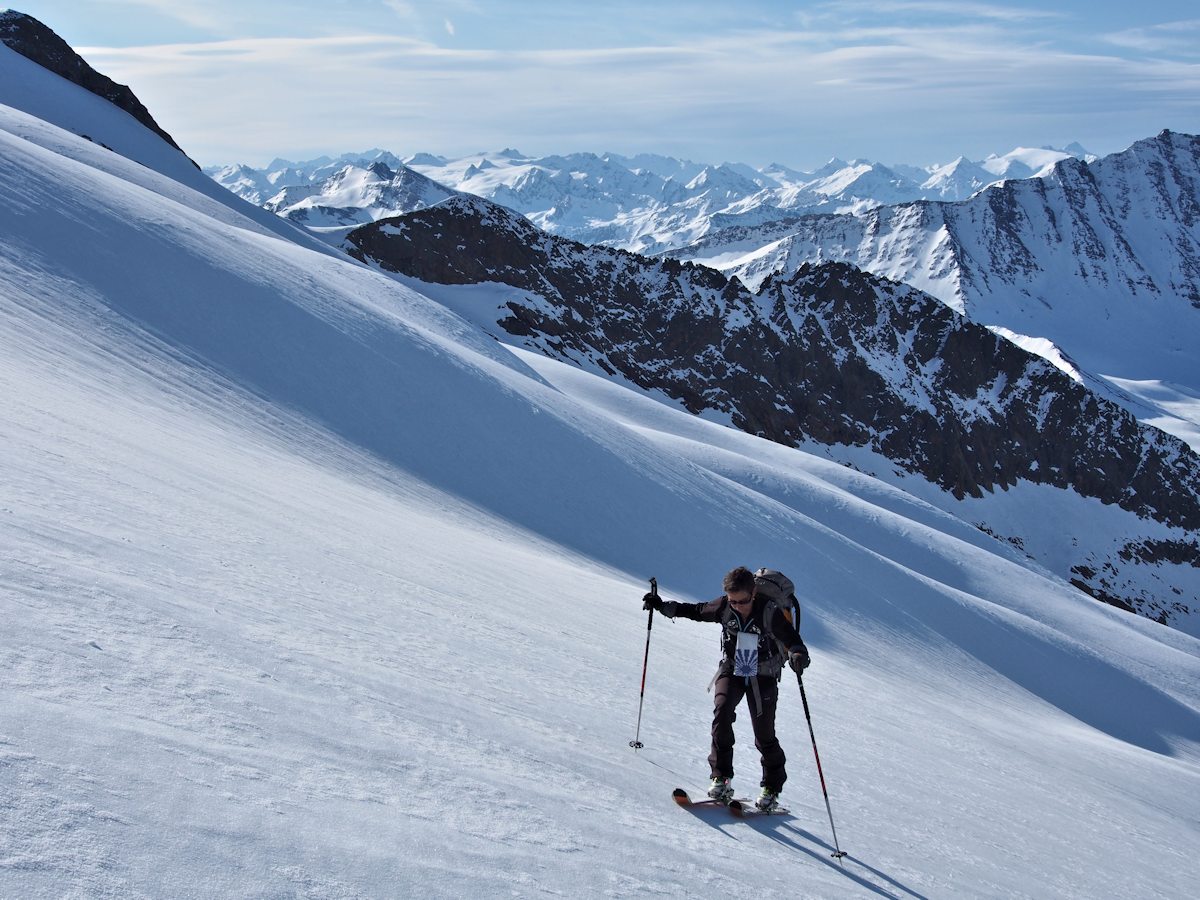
(777, 588)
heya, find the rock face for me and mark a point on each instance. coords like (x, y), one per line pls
(825, 354)
(33, 40)
(1100, 259)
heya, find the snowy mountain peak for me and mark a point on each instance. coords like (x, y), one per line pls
(651, 203)
(425, 159)
(1101, 259)
(1026, 162)
(832, 166)
(723, 181)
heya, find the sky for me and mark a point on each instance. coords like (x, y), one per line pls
(753, 81)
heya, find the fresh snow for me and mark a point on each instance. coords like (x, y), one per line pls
(313, 589)
(1043, 348)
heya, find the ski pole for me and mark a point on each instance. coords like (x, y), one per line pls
(635, 743)
(838, 851)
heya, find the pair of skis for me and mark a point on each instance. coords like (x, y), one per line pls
(743, 809)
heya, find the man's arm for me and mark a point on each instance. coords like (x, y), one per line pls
(785, 633)
(697, 612)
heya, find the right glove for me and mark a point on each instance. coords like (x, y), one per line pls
(799, 659)
(652, 601)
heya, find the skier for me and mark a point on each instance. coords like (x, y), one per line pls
(751, 662)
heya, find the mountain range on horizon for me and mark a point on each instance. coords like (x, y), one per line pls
(325, 546)
(646, 203)
(747, 222)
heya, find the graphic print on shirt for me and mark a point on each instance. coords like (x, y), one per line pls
(745, 656)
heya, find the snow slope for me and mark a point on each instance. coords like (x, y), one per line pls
(115, 139)
(311, 589)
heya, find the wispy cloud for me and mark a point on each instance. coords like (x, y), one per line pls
(207, 17)
(1170, 38)
(945, 8)
(402, 8)
(891, 89)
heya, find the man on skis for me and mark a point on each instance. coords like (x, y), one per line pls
(755, 636)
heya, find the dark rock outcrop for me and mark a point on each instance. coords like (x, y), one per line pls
(35, 41)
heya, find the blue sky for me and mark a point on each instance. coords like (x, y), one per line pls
(913, 81)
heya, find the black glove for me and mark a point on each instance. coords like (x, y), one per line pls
(799, 659)
(652, 601)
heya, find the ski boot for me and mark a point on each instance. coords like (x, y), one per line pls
(720, 789)
(767, 800)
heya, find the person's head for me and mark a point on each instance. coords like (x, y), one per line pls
(739, 586)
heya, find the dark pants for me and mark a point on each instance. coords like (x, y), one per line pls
(730, 690)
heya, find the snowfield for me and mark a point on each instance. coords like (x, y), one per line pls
(311, 589)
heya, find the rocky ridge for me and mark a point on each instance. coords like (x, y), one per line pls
(1100, 259)
(827, 354)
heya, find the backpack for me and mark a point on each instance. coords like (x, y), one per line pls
(779, 590)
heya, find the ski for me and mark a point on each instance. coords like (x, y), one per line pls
(745, 809)
(742, 808)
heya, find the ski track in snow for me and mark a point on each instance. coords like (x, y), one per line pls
(310, 589)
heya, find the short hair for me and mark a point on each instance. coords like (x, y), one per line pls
(739, 579)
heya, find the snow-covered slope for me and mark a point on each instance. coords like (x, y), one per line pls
(646, 203)
(117, 139)
(1099, 260)
(312, 589)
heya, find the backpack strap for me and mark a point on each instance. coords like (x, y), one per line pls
(769, 612)
(756, 691)
(716, 675)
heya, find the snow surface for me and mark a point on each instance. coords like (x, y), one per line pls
(313, 589)
(1062, 531)
(114, 139)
